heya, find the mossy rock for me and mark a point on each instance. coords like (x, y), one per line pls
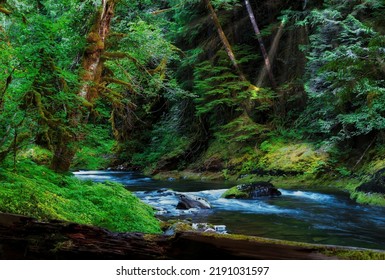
(252, 191)
(192, 201)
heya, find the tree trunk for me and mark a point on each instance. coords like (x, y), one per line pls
(261, 45)
(63, 154)
(92, 63)
(26, 238)
(224, 40)
(92, 66)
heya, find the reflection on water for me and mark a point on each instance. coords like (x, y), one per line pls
(298, 215)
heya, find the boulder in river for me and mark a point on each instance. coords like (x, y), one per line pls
(375, 185)
(192, 201)
(252, 191)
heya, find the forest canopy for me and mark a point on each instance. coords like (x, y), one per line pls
(161, 85)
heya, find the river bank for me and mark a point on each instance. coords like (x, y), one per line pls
(299, 181)
(69, 195)
(314, 215)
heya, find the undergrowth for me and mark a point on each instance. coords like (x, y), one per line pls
(375, 199)
(96, 150)
(36, 191)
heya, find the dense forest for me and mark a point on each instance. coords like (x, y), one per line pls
(287, 91)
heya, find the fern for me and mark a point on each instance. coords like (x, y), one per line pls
(345, 83)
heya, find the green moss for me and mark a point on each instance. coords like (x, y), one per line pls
(353, 254)
(36, 154)
(334, 251)
(376, 162)
(234, 192)
(38, 192)
(233, 156)
(289, 157)
(375, 199)
(93, 37)
(241, 130)
(182, 226)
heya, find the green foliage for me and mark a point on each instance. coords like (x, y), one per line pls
(172, 94)
(167, 142)
(343, 171)
(219, 90)
(37, 154)
(38, 192)
(226, 4)
(96, 150)
(346, 101)
(140, 84)
(39, 60)
(242, 130)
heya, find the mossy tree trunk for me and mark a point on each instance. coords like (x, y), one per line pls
(92, 60)
(91, 74)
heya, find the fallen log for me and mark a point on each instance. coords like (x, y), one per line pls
(27, 238)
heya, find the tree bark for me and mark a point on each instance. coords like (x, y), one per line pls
(261, 45)
(92, 63)
(26, 238)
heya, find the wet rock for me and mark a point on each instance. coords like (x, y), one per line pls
(192, 201)
(252, 191)
(375, 185)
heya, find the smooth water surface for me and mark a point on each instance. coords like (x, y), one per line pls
(298, 215)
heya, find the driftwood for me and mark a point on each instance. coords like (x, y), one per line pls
(26, 238)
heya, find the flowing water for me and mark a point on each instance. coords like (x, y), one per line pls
(324, 217)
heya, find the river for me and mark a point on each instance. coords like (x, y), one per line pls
(314, 216)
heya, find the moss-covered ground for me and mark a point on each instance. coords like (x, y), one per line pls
(36, 191)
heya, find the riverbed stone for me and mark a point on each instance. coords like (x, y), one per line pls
(192, 201)
(252, 191)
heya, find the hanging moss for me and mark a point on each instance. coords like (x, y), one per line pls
(5, 11)
(120, 82)
(94, 47)
(44, 114)
(93, 37)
